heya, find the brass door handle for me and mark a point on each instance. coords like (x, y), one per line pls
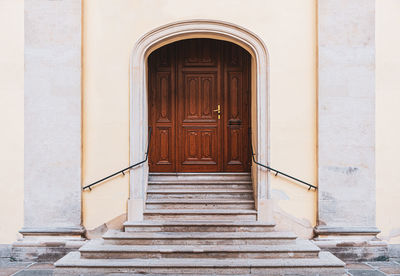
(218, 110)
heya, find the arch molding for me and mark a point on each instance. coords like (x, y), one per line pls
(139, 108)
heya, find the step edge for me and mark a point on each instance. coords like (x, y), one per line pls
(301, 246)
(198, 191)
(74, 260)
(197, 223)
(199, 235)
(201, 182)
(199, 211)
(187, 201)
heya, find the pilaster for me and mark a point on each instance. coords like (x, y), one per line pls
(52, 124)
(346, 128)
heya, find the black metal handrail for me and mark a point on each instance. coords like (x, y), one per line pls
(123, 170)
(274, 170)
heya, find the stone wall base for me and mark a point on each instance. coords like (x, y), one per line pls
(46, 244)
(352, 244)
(394, 251)
(5, 253)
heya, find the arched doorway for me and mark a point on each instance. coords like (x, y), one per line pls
(188, 29)
(199, 107)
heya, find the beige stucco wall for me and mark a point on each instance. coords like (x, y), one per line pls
(11, 118)
(111, 28)
(388, 118)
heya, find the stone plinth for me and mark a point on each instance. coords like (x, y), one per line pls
(52, 122)
(346, 123)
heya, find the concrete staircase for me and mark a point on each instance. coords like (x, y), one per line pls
(199, 224)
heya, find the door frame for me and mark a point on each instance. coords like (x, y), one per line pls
(139, 106)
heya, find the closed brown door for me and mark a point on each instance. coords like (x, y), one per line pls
(199, 104)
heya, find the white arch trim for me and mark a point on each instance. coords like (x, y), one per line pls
(139, 109)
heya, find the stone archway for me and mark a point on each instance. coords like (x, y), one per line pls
(138, 101)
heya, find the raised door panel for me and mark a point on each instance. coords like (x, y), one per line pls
(199, 52)
(233, 111)
(199, 96)
(236, 109)
(164, 146)
(161, 99)
(199, 93)
(199, 146)
(199, 137)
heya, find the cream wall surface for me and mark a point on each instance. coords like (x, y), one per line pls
(388, 119)
(11, 119)
(111, 28)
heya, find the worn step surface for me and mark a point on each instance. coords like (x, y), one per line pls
(241, 204)
(200, 214)
(200, 185)
(198, 177)
(198, 226)
(299, 249)
(325, 264)
(200, 193)
(197, 238)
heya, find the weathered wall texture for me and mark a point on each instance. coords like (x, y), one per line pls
(388, 118)
(52, 119)
(111, 29)
(11, 118)
(346, 124)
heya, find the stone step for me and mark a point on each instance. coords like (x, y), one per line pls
(200, 193)
(95, 249)
(215, 177)
(200, 182)
(198, 238)
(199, 204)
(325, 264)
(199, 214)
(200, 185)
(198, 226)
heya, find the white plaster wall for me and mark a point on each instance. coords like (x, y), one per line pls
(111, 28)
(388, 118)
(11, 118)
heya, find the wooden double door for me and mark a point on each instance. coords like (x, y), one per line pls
(199, 107)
